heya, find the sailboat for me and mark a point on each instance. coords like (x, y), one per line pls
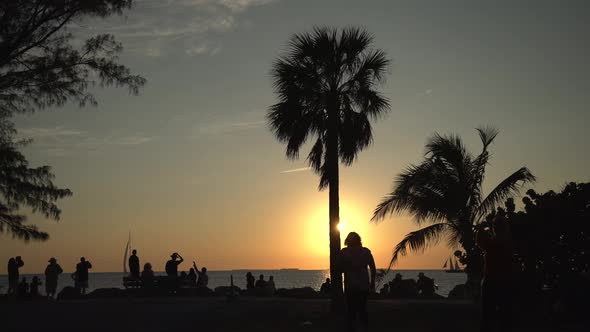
(453, 266)
(127, 248)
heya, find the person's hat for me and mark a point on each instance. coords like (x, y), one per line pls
(52, 260)
(174, 255)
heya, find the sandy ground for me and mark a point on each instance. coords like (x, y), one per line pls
(244, 314)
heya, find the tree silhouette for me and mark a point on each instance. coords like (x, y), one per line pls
(41, 68)
(445, 191)
(21, 185)
(326, 85)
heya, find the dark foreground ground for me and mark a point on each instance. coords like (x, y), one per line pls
(244, 314)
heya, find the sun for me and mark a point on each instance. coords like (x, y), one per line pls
(341, 227)
(316, 226)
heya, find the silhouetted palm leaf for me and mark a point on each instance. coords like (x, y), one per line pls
(509, 187)
(446, 189)
(418, 241)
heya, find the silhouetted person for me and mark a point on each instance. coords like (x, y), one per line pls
(52, 272)
(35, 283)
(396, 286)
(172, 270)
(134, 265)
(326, 287)
(384, 290)
(203, 280)
(249, 281)
(353, 261)
(82, 275)
(425, 285)
(269, 287)
(172, 265)
(147, 276)
(22, 289)
(14, 263)
(260, 283)
(496, 286)
(192, 277)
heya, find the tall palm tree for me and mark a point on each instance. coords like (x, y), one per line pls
(327, 91)
(445, 193)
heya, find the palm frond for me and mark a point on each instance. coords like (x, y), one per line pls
(419, 191)
(487, 135)
(418, 241)
(508, 187)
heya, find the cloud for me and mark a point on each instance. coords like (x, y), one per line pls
(225, 128)
(425, 93)
(60, 141)
(50, 133)
(295, 170)
(155, 28)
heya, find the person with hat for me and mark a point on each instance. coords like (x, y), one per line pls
(52, 272)
(172, 270)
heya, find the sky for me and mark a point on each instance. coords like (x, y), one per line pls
(190, 165)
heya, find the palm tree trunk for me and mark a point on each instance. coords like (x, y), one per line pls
(332, 161)
(473, 266)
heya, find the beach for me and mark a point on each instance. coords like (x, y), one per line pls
(242, 314)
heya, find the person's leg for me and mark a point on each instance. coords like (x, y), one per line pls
(505, 305)
(363, 314)
(351, 310)
(487, 306)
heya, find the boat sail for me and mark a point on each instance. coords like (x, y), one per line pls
(453, 266)
(127, 247)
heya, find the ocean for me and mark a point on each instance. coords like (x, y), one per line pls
(283, 278)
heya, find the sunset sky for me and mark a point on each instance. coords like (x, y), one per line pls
(190, 165)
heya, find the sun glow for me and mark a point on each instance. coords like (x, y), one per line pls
(317, 238)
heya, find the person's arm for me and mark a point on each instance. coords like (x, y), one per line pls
(195, 267)
(181, 259)
(373, 271)
(89, 264)
(59, 270)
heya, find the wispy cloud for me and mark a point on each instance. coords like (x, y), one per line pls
(156, 28)
(227, 128)
(425, 93)
(60, 141)
(295, 170)
(48, 133)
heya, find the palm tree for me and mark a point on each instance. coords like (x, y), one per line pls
(326, 85)
(445, 193)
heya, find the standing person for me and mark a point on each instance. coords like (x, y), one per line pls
(203, 281)
(192, 277)
(250, 281)
(82, 275)
(353, 261)
(52, 272)
(270, 287)
(172, 270)
(14, 263)
(496, 286)
(134, 265)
